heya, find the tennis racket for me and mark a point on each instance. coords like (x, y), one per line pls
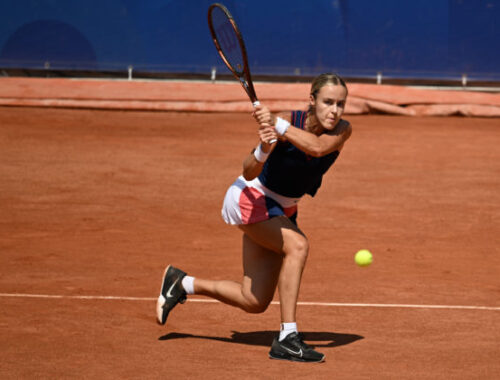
(230, 46)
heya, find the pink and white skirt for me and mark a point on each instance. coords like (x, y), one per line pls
(248, 202)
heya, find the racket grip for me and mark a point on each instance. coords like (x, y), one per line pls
(255, 104)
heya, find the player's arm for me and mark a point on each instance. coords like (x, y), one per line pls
(254, 162)
(308, 142)
(324, 144)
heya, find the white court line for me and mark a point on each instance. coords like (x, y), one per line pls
(324, 304)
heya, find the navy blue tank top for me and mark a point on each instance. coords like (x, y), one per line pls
(291, 172)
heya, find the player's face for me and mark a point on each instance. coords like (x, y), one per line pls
(329, 105)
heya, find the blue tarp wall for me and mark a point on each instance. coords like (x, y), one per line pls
(356, 38)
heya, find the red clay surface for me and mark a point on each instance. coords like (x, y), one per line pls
(97, 203)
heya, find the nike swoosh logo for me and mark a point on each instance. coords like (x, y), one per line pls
(294, 352)
(169, 293)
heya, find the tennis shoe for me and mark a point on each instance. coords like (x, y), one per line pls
(171, 294)
(294, 349)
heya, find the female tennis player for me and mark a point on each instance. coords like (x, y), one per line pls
(262, 202)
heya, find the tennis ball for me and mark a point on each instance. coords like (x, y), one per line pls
(363, 258)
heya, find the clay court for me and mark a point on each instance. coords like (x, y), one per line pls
(95, 203)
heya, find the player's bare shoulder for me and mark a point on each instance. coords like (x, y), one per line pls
(341, 133)
(343, 128)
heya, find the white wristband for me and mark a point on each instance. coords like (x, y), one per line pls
(260, 155)
(281, 126)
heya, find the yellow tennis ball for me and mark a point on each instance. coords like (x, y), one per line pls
(363, 258)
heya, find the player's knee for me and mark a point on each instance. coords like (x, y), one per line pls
(298, 248)
(255, 306)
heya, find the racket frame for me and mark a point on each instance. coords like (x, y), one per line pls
(243, 76)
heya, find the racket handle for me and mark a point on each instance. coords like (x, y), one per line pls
(255, 104)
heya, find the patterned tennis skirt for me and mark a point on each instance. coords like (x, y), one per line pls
(248, 202)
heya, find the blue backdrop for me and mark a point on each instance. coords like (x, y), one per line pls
(418, 39)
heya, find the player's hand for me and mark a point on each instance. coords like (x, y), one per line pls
(263, 115)
(267, 133)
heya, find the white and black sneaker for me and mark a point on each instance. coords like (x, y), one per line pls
(293, 348)
(171, 294)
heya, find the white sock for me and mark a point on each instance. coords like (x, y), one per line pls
(188, 284)
(287, 328)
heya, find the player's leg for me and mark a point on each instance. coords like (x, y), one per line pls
(266, 245)
(280, 235)
(262, 260)
(261, 268)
